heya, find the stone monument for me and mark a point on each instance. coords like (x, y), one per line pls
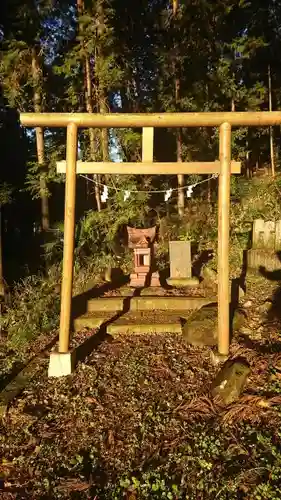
(141, 241)
(180, 264)
(266, 245)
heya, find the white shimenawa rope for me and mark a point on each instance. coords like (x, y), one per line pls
(168, 192)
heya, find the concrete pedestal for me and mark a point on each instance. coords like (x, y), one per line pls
(61, 364)
(155, 280)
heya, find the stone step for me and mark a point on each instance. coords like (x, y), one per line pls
(92, 320)
(138, 323)
(145, 303)
(107, 304)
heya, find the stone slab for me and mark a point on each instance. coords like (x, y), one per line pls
(266, 234)
(13, 389)
(152, 291)
(108, 304)
(230, 381)
(258, 234)
(92, 320)
(183, 282)
(201, 328)
(180, 259)
(261, 257)
(269, 234)
(155, 279)
(136, 323)
(126, 291)
(145, 303)
(61, 364)
(143, 329)
(278, 235)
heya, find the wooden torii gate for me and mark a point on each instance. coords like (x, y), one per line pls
(62, 362)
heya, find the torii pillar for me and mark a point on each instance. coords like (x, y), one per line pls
(62, 361)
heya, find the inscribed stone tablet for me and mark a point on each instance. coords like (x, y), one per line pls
(180, 259)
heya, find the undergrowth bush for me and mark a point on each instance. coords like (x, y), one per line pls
(100, 244)
(250, 199)
(34, 310)
(210, 466)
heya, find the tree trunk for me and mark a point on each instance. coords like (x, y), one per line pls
(181, 199)
(89, 107)
(271, 143)
(102, 98)
(36, 76)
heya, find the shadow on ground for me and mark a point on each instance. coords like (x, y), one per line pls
(79, 302)
(274, 312)
(273, 315)
(18, 366)
(262, 348)
(83, 350)
(203, 258)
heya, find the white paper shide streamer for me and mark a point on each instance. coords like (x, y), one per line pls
(168, 194)
(104, 195)
(189, 191)
(127, 195)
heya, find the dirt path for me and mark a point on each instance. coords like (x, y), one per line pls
(136, 420)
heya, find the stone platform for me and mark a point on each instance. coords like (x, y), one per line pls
(151, 322)
(140, 311)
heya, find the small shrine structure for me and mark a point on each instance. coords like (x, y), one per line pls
(141, 241)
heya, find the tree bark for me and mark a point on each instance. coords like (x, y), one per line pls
(102, 98)
(271, 143)
(89, 107)
(181, 199)
(37, 100)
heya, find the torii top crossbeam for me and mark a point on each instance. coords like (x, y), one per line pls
(208, 119)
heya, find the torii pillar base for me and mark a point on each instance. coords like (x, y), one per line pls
(61, 364)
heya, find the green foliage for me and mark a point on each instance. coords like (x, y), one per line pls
(98, 234)
(15, 71)
(6, 192)
(34, 310)
(38, 172)
(203, 467)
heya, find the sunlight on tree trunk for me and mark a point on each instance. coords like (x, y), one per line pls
(89, 108)
(36, 76)
(271, 143)
(179, 135)
(102, 98)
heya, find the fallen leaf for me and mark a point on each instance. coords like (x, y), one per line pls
(73, 485)
(91, 400)
(110, 439)
(131, 495)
